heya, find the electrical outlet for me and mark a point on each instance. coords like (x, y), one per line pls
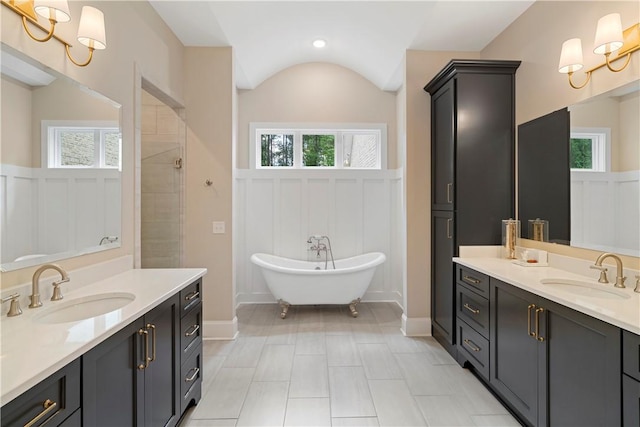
(218, 227)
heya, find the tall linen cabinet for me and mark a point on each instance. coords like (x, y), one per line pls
(472, 171)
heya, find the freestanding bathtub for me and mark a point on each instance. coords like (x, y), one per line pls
(302, 282)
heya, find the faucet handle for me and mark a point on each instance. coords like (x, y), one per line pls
(14, 308)
(603, 273)
(57, 292)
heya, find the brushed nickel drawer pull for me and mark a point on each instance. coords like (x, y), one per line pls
(531, 334)
(48, 405)
(471, 309)
(471, 279)
(153, 340)
(145, 365)
(449, 222)
(192, 295)
(471, 345)
(538, 311)
(193, 376)
(449, 188)
(192, 330)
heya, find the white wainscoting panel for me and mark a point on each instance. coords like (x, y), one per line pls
(50, 211)
(605, 211)
(277, 210)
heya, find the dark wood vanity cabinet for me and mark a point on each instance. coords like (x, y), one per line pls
(630, 379)
(553, 365)
(190, 345)
(472, 167)
(132, 378)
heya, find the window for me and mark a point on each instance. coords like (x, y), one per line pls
(327, 146)
(589, 150)
(81, 145)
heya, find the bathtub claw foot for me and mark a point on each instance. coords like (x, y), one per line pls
(284, 306)
(352, 307)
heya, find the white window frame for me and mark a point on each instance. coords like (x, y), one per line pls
(600, 147)
(51, 153)
(256, 129)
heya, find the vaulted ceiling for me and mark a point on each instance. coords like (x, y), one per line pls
(369, 37)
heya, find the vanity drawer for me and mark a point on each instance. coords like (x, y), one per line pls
(473, 280)
(631, 354)
(191, 379)
(473, 309)
(191, 330)
(474, 347)
(190, 296)
(61, 390)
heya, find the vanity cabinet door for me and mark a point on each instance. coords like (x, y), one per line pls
(442, 146)
(580, 370)
(443, 283)
(113, 386)
(514, 352)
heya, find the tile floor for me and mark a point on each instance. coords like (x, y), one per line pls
(321, 367)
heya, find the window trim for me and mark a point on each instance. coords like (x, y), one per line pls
(297, 129)
(600, 147)
(50, 151)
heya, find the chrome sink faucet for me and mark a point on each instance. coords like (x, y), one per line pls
(619, 273)
(35, 284)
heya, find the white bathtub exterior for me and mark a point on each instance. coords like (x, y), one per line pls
(299, 283)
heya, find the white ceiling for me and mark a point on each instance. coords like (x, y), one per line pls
(369, 37)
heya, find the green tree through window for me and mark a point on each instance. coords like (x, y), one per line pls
(276, 150)
(318, 150)
(581, 153)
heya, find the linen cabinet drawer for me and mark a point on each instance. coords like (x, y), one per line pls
(191, 379)
(473, 309)
(475, 347)
(190, 296)
(51, 401)
(631, 354)
(473, 280)
(191, 330)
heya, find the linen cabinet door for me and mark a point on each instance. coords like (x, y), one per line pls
(580, 370)
(161, 376)
(442, 146)
(443, 284)
(112, 383)
(514, 351)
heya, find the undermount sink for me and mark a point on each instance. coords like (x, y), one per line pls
(84, 307)
(587, 289)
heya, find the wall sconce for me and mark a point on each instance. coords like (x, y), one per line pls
(609, 38)
(91, 31)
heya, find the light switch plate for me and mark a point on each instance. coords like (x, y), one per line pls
(218, 227)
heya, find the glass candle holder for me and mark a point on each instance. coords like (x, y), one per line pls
(510, 236)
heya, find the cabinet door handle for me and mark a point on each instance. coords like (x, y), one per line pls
(471, 345)
(192, 330)
(531, 334)
(145, 365)
(449, 222)
(48, 405)
(470, 279)
(538, 336)
(471, 309)
(193, 376)
(153, 341)
(449, 188)
(192, 295)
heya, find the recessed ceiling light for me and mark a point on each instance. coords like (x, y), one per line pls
(319, 43)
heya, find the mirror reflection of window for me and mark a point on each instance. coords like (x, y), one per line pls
(588, 150)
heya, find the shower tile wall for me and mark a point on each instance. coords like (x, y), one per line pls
(162, 184)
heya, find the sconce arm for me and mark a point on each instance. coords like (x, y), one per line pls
(617, 70)
(582, 85)
(83, 64)
(49, 34)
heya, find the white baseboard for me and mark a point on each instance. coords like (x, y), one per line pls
(266, 298)
(220, 329)
(416, 326)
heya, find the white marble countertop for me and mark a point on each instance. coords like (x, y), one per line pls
(624, 313)
(31, 351)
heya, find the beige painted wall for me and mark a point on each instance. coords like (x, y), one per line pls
(536, 38)
(15, 110)
(601, 114)
(136, 36)
(629, 133)
(316, 93)
(209, 102)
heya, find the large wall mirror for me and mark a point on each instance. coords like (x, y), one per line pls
(60, 176)
(584, 188)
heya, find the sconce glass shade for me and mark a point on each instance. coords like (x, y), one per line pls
(91, 28)
(571, 56)
(608, 34)
(57, 10)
